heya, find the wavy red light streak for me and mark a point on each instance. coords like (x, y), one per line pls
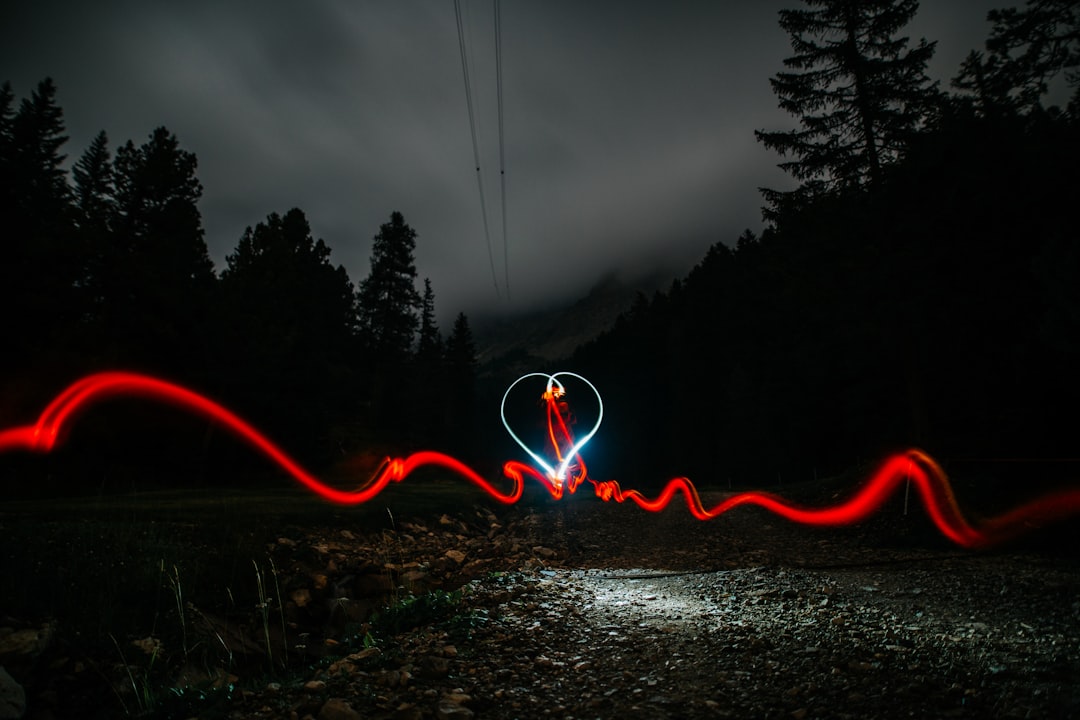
(928, 478)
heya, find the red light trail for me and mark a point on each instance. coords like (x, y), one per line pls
(569, 471)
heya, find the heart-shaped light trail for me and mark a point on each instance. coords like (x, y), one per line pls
(559, 434)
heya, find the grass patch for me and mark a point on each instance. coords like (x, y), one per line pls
(416, 611)
(154, 588)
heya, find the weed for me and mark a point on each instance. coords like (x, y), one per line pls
(281, 612)
(415, 611)
(144, 556)
(178, 597)
(264, 608)
(390, 563)
(190, 702)
(264, 612)
(142, 688)
(460, 627)
(217, 636)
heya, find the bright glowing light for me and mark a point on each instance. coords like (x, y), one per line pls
(565, 449)
(930, 481)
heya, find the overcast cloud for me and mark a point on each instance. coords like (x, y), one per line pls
(628, 125)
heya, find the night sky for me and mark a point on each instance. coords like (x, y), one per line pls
(628, 126)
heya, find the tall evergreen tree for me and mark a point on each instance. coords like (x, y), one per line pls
(7, 119)
(160, 276)
(461, 348)
(857, 88)
(429, 344)
(429, 388)
(158, 192)
(36, 134)
(389, 302)
(460, 395)
(38, 267)
(94, 189)
(290, 317)
(95, 219)
(1025, 51)
(984, 85)
(287, 294)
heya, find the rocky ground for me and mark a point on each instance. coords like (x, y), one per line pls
(588, 610)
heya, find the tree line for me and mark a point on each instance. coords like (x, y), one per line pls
(105, 266)
(920, 284)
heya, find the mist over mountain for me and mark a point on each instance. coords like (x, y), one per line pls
(531, 341)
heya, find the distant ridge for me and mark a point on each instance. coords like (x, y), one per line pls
(532, 341)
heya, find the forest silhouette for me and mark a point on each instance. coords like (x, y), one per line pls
(919, 286)
(110, 270)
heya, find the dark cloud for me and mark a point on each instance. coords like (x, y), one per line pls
(628, 125)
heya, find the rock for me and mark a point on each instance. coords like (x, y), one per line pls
(338, 709)
(450, 711)
(415, 580)
(455, 555)
(408, 711)
(315, 685)
(12, 697)
(395, 678)
(452, 707)
(302, 597)
(149, 645)
(432, 666)
(365, 654)
(23, 644)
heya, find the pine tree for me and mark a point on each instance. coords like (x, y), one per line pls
(460, 391)
(160, 276)
(460, 347)
(158, 195)
(38, 268)
(95, 219)
(429, 344)
(1025, 51)
(36, 136)
(290, 317)
(984, 85)
(429, 389)
(461, 361)
(859, 92)
(388, 299)
(94, 190)
(286, 292)
(7, 119)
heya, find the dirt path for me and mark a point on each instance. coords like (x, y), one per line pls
(599, 611)
(977, 637)
(591, 610)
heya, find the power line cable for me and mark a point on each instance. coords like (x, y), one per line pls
(475, 143)
(502, 154)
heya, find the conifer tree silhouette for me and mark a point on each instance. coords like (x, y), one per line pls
(858, 91)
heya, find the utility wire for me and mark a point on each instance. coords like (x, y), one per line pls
(475, 144)
(502, 154)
